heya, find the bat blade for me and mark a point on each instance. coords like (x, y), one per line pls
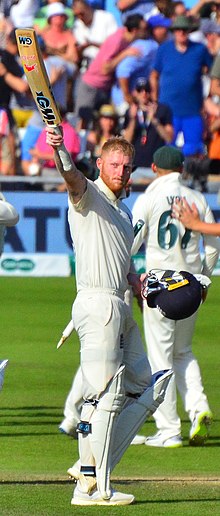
(40, 87)
(35, 71)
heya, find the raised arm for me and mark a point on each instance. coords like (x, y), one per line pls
(76, 182)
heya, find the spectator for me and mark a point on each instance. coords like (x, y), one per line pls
(95, 84)
(11, 74)
(11, 80)
(148, 125)
(161, 7)
(209, 34)
(43, 154)
(215, 77)
(169, 342)
(203, 9)
(216, 13)
(129, 70)
(22, 13)
(5, 27)
(129, 7)
(177, 81)
(214, 144)
(178, 9)
(212, 117)
(159, 27)
(7, 146)
(211, 30)
(91, 28)
(41, 18)
(5, 7)
(105, 125)
(59, 40)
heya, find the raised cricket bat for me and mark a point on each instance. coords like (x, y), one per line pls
(38, 80)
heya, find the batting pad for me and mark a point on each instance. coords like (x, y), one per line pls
(103, 426)
(135, 414)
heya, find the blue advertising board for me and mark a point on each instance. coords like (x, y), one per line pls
(43, 225)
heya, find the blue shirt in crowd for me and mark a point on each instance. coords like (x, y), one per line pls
(180, 81)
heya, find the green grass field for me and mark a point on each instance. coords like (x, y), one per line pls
(35, 456)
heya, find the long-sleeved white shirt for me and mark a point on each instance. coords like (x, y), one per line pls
(168, 244)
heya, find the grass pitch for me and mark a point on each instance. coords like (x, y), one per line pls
(35, 456)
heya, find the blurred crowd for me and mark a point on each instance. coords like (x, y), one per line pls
(147, 70)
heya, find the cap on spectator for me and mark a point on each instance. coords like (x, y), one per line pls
(181, 22)
(108, 111)
(56, 9)
(142, 84)
(159, 21)
(208, 26)
(168, 158)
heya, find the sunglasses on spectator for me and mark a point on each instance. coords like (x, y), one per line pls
(142, 88)
(182, 30)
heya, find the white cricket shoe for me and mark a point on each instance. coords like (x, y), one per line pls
(3, 364)
(138, 439)
(117, 498)
(68, 428)
(158, 441)
(199, 430)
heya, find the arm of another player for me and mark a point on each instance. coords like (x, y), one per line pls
(75, 180)
(189, 217)
(8, 214)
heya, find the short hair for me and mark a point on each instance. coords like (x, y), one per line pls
(118, 143)
(133, 21)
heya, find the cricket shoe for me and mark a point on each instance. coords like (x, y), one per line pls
(158, 441)
(3, 364)
(68, 428)
(199, 430)
(138, 439)
(116, 498)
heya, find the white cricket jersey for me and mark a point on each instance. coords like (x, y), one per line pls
(168, 243)
(102, 234)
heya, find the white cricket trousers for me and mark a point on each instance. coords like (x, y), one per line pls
(109, 337)
(169, 345)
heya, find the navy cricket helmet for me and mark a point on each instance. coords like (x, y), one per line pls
(177, 295)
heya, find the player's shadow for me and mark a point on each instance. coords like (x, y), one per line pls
(183, 501)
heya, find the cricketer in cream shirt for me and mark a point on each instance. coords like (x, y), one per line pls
(99, 223)
(168, 245)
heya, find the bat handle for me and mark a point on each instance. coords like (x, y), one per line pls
(63, 154)
(66, 333)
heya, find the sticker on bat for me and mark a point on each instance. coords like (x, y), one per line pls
(25, 40)
(30, 68)
(45, 108)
